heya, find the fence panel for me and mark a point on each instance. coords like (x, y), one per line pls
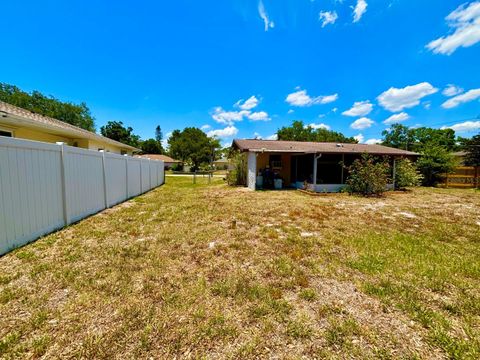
(83, 182)
(116, 178)
(145, 168)
(134, 177)
(31, 202)
(44, 187)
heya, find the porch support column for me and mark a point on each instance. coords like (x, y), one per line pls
(394, 171)
(315, 166)
(252, 170)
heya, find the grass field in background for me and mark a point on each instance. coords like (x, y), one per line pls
(208, 271)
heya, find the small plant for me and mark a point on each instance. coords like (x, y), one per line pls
(406, 174)
(238, 175)
(368, 176)
(308, 294)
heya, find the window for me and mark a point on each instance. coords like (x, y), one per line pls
(123, 152)
(276, 161)
(6, 133)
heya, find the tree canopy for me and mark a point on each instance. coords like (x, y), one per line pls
(299, 132)
(74, 114)
(192, 145)
(115, 130)
(402, 137)
(472, 148)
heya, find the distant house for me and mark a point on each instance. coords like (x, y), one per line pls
(317, 164)
(169, 162)
(24, 124)
(460, 157)
(221, 164)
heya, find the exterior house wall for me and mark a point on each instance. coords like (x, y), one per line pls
(31, 134)
(263, 159)
(38, 135)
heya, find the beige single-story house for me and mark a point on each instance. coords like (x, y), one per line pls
(317, 164)
(168, 161)
(24, 124)
(222, 164)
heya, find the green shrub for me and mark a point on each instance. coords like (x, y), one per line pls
(406, 174)
(434, 162)
(368, 176)
(238, 175)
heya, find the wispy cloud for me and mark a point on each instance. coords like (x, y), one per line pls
(229, 131)
(464, 126)
(465, 21)
(395, 99)
(362, 123)
(359, 10)
(460, 99)
(319, 126)
(327, 17)
(359, 108)
(452, 90)
(396, 118)
(263, 14)
(301, 98)
(248, 104)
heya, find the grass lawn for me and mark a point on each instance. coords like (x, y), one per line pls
(198, 271)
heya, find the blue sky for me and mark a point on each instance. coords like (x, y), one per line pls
(349, 65)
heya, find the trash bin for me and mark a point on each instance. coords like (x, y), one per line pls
(278, 184)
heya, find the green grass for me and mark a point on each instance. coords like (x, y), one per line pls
(206, 271)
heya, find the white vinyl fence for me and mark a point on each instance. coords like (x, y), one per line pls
(44, 187)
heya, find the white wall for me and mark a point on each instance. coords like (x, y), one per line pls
(44, 187)
(252, 170)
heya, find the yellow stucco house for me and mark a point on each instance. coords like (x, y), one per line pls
(23, 124)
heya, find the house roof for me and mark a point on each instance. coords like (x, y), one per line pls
(315, 147)
(18, 116)
(164, 158)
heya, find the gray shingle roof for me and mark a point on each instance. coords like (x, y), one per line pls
(317, 147)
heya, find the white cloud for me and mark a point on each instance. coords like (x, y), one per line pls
(452, 90)
(228, 117)
(359, 138)
(360, 108)
(460, 99)
(165, 140)
(301, 98)
(320, 126)
(248, 104)
(229, 131)
(362, 123)
(396, 118)
(373, 141)
(263, 14)
(359, 10)
(272, 137)
(259, 116)
(205, 127)
(291, 111)
(465, 21)
(256, 135)
(398, 99)
(327, 17)
(464, 126)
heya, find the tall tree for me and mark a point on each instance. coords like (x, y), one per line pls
(192, 145)
(299, 132)
(115, 130)
(74, 114)
(472, 148)
(151, 146)
(403, 137)
(158, 134)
